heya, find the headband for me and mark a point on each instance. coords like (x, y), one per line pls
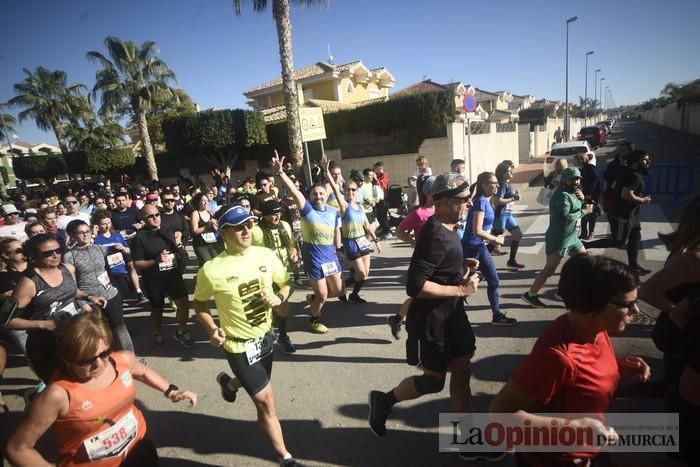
(451, 192)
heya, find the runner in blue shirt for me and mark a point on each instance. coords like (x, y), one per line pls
(320, 225)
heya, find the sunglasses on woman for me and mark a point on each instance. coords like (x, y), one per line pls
(50, 253)
(92, 360)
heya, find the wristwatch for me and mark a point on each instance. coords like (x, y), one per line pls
(280, 296)
(170, 389)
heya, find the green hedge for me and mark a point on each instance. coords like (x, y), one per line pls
(213, 131)
(393, 127)
(99, 161)
(38, 167)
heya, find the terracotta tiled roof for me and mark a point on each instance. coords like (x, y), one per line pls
(417, 88)
(317, 69)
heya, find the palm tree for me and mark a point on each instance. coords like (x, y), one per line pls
(670, 92)
(7, 126)
(48, 99)
(280, 12)
(95, 134)
(129, 83)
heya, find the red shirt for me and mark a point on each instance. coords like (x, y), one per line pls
(568, 376)
(383, 181)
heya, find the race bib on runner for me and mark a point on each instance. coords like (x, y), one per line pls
(65, 313)
(257, 349)
(168, 264)
(209, 237)
(112, 441)
(329, 268)
(363, 243)
(104, 280)
(117, 259)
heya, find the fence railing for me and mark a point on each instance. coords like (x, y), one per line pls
(674, 180)
(479, 128)
(505, 127)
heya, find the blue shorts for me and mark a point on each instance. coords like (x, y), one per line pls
(353, 250)
(505, 221)
(319, 267)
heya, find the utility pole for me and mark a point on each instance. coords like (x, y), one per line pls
(585, 93)
(566, 93)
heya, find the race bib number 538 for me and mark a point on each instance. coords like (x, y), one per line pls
(113, 440)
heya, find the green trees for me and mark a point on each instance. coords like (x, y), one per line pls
(7, 127)
(218, 136)
(129, 82)
(280, 13)
(48, 100)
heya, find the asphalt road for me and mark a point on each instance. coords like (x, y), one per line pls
(321, 391)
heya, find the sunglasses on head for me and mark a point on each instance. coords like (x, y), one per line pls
(92, 360)
(50, 253)
(152, 216)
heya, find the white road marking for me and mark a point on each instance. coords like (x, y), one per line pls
(653, 221)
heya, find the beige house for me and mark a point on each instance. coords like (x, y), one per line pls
(460, 90)
(21, 148)
(331, 87)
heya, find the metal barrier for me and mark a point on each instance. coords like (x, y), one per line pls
(675, 180)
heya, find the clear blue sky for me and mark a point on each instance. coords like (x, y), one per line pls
(518, 46)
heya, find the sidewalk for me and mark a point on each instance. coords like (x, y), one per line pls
(526, 174)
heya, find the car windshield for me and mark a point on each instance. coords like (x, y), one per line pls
(590, 129)
(569, 151)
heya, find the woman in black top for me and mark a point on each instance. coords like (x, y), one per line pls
(48, 294)
(205, 239)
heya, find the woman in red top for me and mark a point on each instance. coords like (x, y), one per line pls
(572, 367)
(90, 404)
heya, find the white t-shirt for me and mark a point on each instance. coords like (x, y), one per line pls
(15, 230)
(64, 220)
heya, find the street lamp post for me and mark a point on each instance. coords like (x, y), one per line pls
(595, 91)
(607, 97)
(601, 94)
(585, 92)
(566, 85)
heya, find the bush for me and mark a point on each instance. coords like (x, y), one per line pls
(99, 161)
(45, 168)
(393, 127)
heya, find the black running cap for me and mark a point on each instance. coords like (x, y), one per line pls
(451, 192)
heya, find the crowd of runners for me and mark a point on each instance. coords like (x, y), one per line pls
(71, 257)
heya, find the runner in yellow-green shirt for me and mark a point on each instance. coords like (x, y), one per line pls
(243, 280)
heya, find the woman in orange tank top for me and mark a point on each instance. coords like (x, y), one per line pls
(90, 404)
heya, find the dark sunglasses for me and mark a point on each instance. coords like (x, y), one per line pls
(70, 202)
(91, 361)
(249, 225)
(152, 216)
(50, 253)
(168, 200)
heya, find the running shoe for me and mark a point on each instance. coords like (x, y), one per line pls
(378, 413)
(354, 298)
(640, 270)
(184, 339)
(285, 344)
(227, 393)
(395, 325)
(387, 236)
(317, 327)
(515, 264)
(481, 456)
(141, 299)
(502, 320)
(158, 339)
(291, 462)
(533, 300)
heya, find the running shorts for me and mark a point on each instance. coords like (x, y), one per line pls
(314, 266)
(504, 222)
(254, 378)
(437, 355)
(171, 284)
(353, 250)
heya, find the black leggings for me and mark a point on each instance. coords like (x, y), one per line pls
(143, 453)
(622, 231)
(588, 225)
(114, 312)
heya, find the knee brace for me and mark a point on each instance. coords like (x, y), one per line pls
(428, 385)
